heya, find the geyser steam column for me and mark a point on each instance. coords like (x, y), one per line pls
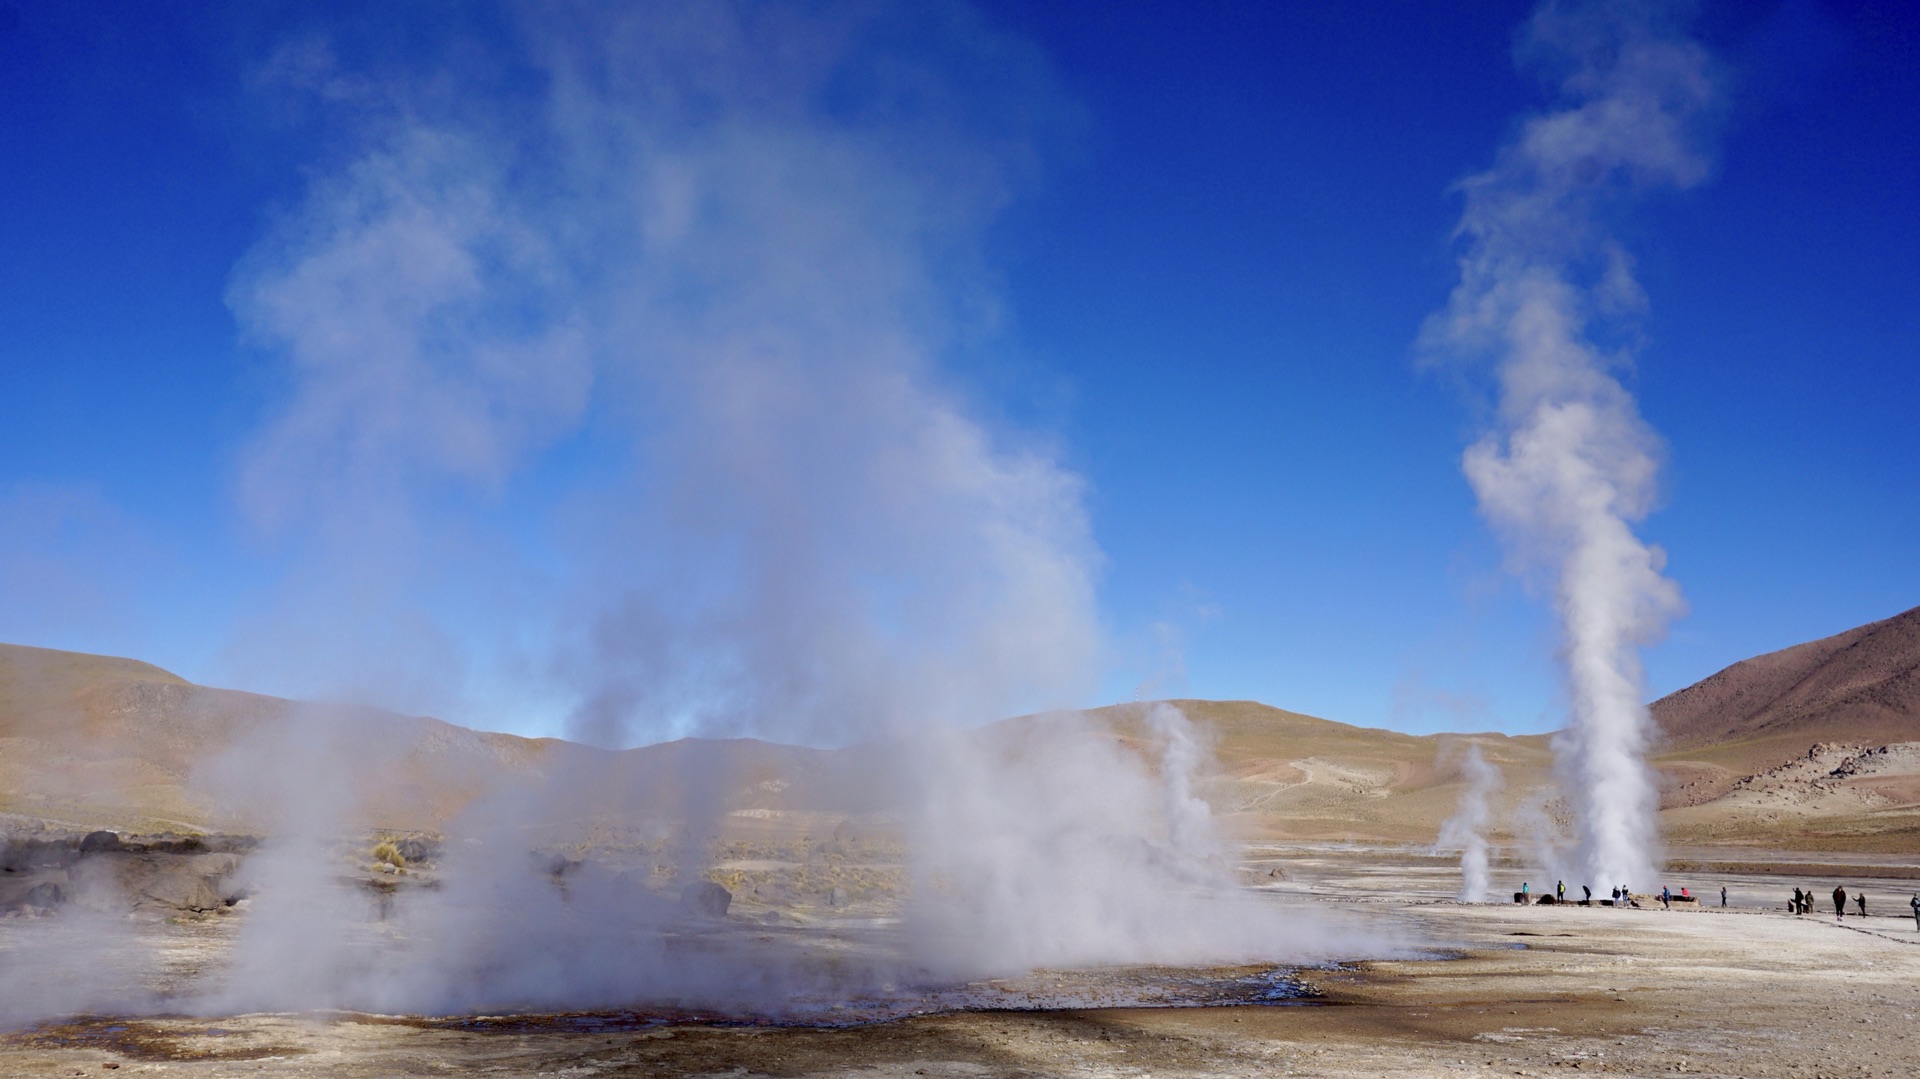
(1569, 466)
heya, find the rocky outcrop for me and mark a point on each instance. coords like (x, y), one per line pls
(101, 871)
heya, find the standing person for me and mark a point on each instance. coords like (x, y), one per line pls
(1587, 888)
(1723, 895)
(1796, 901)
(1839, 901)
(1915, 904)
(1666, 898)
(1523, 889)
(1559, 891)
(1860, 899)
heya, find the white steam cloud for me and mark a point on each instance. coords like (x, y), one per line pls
(697, 276)
(1570, 466)
(1467, 828)
(617, 343)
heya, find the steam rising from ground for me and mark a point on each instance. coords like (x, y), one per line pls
(1046, 842)
(1570, 465)
(614, 338)
(1467, 828)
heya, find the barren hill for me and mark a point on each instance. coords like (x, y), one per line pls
(1859, 686)
(1784, 750)
(1813, 746)
(98, 741)
(1284, 775)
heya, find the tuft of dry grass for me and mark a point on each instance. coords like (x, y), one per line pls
(388, 852)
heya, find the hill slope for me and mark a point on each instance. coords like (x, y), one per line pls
(1814, 746)
(1859, 686)
(1780, 750)
(98, 741)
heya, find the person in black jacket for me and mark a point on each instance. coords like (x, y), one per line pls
(1839, 901)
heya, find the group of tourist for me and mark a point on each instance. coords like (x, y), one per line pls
(1801, 903)
(1622, 896)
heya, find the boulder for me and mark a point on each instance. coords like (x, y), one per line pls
(41, 895)
(99, 841)
(706, 897)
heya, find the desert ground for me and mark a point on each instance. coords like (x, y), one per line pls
(1493, 989)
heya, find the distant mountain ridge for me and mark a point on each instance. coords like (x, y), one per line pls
(1781, 750)
(1859, 686)
(105, 741)
(108, 742)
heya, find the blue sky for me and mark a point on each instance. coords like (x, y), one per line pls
(1195, 283)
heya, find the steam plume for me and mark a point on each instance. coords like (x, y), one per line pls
(1467, 828)
(700, 269)
(682, 295)
(1570, 466)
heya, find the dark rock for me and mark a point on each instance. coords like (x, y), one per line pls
(25, 854)
(706, 897)
(44, 896)
(414, 849)
(99, 841)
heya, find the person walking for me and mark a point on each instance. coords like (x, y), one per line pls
(1723, 895)
(1666, 898)
(1915, 904)
(1839, 901)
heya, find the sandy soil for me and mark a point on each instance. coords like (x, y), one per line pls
(1748, 991)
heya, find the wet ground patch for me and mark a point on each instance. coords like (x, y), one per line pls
(158, 1039)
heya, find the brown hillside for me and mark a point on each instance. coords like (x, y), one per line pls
(1284, 775)
(1861, 686)
(96, 741)
(1783, 750)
